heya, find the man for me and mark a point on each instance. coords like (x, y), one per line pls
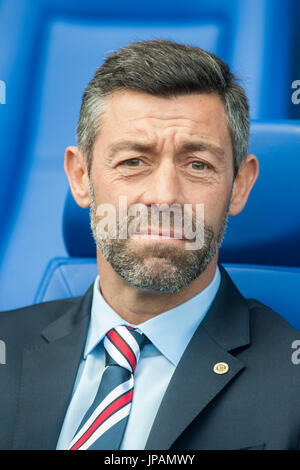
(162, 352)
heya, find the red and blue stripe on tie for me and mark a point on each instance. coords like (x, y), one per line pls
(103, 421)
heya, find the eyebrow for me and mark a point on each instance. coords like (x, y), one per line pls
(128, 145)
(185, 147)
(202, 146)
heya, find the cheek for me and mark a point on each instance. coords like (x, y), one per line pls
(109, 189)
(215, 206)
(104, 183)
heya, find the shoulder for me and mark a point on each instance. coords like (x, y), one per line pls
(24, 322)
(52, 307)
(263, 314)
(272, 335)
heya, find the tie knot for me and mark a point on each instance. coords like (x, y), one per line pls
(123, 345)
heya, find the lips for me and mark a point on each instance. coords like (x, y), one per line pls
(159, 234)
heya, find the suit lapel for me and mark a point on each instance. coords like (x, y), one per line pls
(48, 374)
(194, 384)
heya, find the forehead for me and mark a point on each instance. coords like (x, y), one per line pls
(132, 113)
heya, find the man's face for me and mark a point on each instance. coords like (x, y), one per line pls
(157, 151)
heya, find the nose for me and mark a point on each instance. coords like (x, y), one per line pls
(163, 186)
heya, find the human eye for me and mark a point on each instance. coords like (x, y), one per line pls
(131, 162)
(198, 165)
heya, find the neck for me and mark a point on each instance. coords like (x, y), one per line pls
(136, 305)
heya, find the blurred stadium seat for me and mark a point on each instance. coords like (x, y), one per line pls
(267, 231)
(49, 51)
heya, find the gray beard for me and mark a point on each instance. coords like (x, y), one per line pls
(181, 266)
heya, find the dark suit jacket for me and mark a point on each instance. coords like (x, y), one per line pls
(254, 405)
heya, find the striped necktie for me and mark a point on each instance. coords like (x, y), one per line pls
(104, 423)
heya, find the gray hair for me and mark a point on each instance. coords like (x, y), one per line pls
(166, 69)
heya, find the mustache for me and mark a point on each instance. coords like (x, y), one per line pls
(161, 220)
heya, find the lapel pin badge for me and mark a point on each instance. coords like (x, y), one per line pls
(221, 368)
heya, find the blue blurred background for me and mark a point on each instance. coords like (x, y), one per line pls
(50, 49)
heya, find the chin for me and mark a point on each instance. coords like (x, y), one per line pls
(159, 263)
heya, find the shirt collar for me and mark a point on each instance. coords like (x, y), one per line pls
(170, 332)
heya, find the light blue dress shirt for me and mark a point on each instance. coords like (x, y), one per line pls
(169, 333)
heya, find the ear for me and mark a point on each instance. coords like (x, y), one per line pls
(243, 184)
(76, 169)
